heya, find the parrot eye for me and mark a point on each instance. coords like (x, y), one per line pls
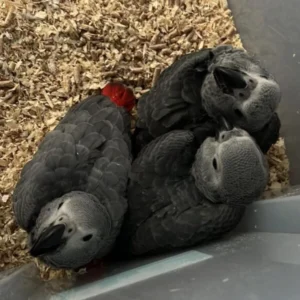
(60, 205)
(215, 165)
(87, 237)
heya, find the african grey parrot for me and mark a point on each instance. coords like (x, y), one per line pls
(204, 85)
(181, 194)
(71, 195)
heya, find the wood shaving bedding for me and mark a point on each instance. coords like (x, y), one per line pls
(54, 53)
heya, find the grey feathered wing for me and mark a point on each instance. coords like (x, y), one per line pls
(175, 99)
(88, 151)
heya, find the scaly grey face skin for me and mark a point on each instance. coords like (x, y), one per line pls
(230, 168)
(239, 89)
(70, 231)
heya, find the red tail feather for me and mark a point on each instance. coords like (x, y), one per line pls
(120, 95)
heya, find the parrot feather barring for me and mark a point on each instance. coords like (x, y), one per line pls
(71, 195)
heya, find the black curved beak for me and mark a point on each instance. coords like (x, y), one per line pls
(224, 125)
(49, 240)
(228, 79)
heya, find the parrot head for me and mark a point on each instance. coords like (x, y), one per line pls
(230, 168)
(238, 88)
(70, 231)
(120, 95)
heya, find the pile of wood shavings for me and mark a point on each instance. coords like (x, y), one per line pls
(279, 170)
(54, 53)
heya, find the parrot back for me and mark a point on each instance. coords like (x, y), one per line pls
(175, 99)
(89, 151)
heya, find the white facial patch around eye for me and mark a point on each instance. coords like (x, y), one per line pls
(261, 82)
(47, 216)
(254, 94)
(214, 174)
(64, 208)
(67, 209)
